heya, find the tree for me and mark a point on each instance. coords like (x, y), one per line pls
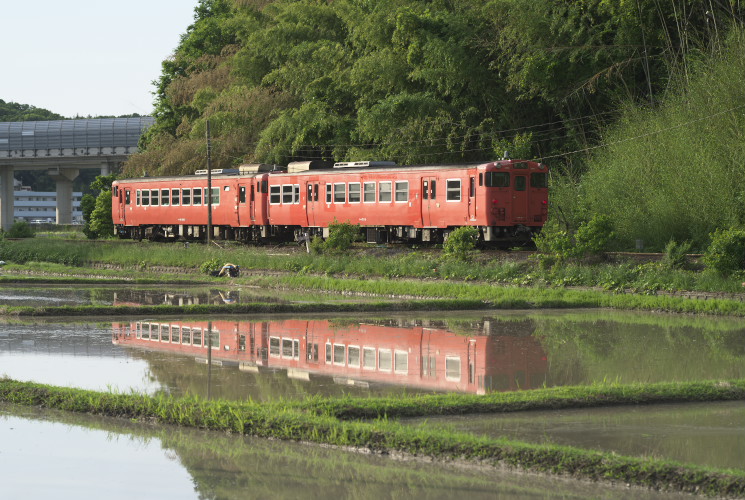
(97, 211)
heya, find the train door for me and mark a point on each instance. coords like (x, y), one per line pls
(472, 198)
(429, 196)
(520, 199)
(240, 202)
(124, 196)
(252, 203)
(311, 203)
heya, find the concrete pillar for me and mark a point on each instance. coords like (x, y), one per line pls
(6, 197)
(105, 169)
(64, 177)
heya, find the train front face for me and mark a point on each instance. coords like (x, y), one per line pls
(516, 196)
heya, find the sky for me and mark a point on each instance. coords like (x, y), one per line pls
(88, 57)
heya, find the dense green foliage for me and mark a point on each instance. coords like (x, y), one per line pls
(341, 237)
(726, 254)
(461, 243)
(98, 222)
(413, 80)
(15, 112)
(19, 229)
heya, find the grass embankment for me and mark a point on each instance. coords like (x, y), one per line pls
(318, 424)
(370, 262)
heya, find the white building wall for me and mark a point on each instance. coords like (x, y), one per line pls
(41, 206)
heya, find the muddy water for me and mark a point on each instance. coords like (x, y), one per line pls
(288, 357)
(71, 295)
(709, 434)
(66, 456)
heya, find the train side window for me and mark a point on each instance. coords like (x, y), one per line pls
(175, 197)
(425, 190)
(145, 197)
(353, 356)
(139, 198)
(402, 191)
(340, 351)
(354, 192)
(165, 197)
(539, 180)
(127, 199)
(497, 179)
(197, 196)
(369, 192)
(452, 368)
(453, 190)
(264, 186)
(384, 191)
(116, 190)
(328, 193)
(481, 179)
(297, 193)
(368, 358)
(275, 195)
(253, 197)
(400, 361)
(287, 195)
(215, 195)
(154, 197)
(328, 352)
(186, 197)
(472, 187)
(385, 360)
(520, 183)
(242, 194)
(340, 192)
(433, 190)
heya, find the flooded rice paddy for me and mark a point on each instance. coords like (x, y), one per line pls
(290, 358)
(46, 454)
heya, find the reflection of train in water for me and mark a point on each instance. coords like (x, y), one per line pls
(354, 353)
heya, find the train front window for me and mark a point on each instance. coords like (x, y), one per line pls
(520, 183)
(539, 180)
(497, 179)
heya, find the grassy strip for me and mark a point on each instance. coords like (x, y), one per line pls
(537, 399)
(381, 435)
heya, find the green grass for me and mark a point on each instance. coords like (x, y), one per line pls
(316, 423)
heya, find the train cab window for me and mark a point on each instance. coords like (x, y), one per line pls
(175, 197)
(354, 192)
(186, 197)
(453, 190)
(328, 193)
(452, 368)
(275, 195)
(402, 191)
(153, 197)
(384, 191)
(497, 179)
(433, 190)
(241, 194)
(287, 195)
(340, 192)
(198, 196)
(520, 183)
(165, 197)
(296, 192)
(369, 192)
(539, 180)
(127, 199)
(145, 197)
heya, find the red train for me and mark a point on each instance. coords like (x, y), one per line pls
(504, 199)
(425, 357)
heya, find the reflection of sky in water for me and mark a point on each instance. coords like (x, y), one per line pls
(118, 374)
(42, 459)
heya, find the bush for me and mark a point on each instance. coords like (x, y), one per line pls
(726, 253)
(341, 237)
(461, 243)
(675, 256)
(210, 267)
(592, 238)
(20, 229)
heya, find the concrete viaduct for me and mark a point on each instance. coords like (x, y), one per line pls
(62, 148)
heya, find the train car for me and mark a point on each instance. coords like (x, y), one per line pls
(164, 208)
(502, 199)
(419, 356)
(505, 199)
